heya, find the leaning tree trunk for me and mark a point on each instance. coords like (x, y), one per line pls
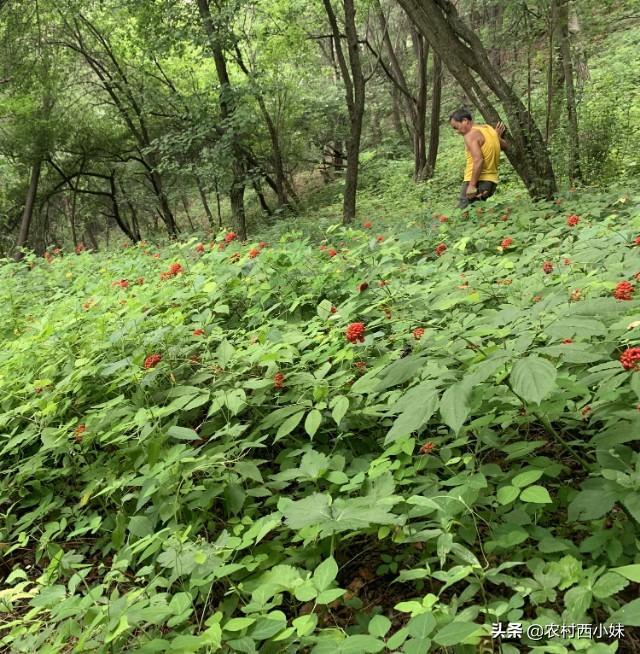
(227, 111)
(27, 213)
(463, 53)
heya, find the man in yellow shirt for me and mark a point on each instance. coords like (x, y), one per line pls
(482, 150)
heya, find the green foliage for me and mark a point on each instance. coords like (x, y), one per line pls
(254, 489)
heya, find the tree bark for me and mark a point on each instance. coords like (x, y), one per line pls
(71, 206)
(463, 53)
(420, 146)
(434, 124)
(354, 83)
(185, 206)
(560, 9)
(115, 207)
(227, 111)
(205, 203)
(27, 212)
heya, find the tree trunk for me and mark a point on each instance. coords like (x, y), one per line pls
(205, 203)
(461, 50)
(71, 206)
(434, 124)
(91, 236)
(354, 83)
(185, 206)
(219, 210)
(263, 201)
(420, 147)
(165, 210)
(227, 110)
(395, 113)
(27, 213)
(560, 9)
(276, 150)
(115, 207)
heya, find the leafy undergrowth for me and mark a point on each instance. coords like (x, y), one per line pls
(385, 442)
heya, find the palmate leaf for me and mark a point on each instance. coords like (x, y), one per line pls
(343, 514)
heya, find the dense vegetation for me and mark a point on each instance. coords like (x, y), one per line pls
(377, 432)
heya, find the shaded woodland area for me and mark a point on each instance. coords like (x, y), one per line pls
(125, 119)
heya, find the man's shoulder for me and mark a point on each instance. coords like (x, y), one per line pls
(474, 134)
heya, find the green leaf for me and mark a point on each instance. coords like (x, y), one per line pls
(412, 418)
(533, 378)
(591, 504)
(526, 478)
(325, 573)
(140, 526)
(340, 408)
(310, 510)
(507, 494)
(456, 632)
(289, 425)
(379, 625)
(305, 624)
(224, 352)
(609, 584)
(360, 644)
(324, 309)
(631, 572)
(577, 601)
(454, 405)
(628, 615)
(329, 595)
(400, 371)
(182, 433)
(536, 495)
(238, 624)
(312, 422)
(314, 464)
(632, 502)
(420, 626)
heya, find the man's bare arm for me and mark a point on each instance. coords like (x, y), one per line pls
(472, 141)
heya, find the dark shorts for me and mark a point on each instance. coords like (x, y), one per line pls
(485, 190)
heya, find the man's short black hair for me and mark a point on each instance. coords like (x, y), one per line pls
(460, 114)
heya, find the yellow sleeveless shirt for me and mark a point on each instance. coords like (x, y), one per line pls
(490, 154)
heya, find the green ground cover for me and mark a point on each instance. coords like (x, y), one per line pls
(201, 452)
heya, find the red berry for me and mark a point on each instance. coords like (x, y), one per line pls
(630, 358)
(152, 361)
(355, 332)
(623, 291)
